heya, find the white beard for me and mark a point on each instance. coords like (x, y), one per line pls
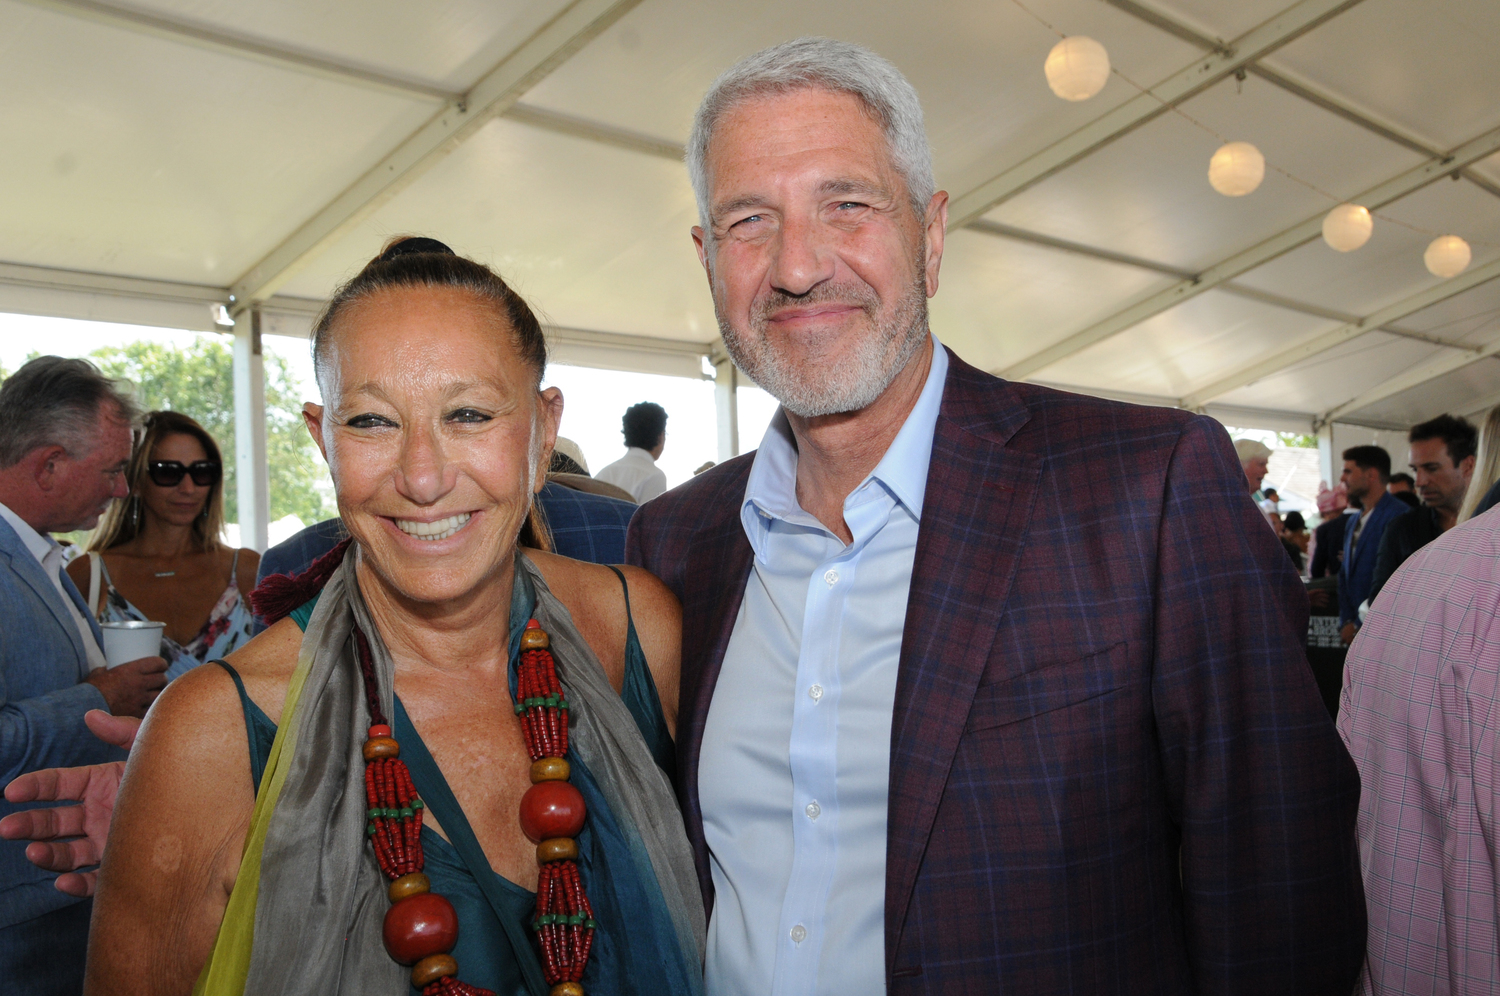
(827, 385)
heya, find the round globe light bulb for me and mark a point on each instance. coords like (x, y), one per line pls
(1236, 169)
(1347, 227)
(1077, 68)
(1447, 256)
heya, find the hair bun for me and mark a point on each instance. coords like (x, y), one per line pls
(415, 244)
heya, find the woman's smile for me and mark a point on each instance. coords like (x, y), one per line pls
(434, 530)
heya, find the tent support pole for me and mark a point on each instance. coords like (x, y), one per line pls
(727, 404)
(251, 482)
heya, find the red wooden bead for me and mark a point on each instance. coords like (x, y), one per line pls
(418, 926)
(551, 809)
(380, 730)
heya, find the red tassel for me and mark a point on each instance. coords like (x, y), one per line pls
(276, 596)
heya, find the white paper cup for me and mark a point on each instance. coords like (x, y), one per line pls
(130, 641)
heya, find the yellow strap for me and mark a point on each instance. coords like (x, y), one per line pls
(229, 964)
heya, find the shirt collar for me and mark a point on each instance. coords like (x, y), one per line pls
(771, 490)
(34, 541)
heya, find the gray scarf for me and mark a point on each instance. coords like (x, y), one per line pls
(322, 897)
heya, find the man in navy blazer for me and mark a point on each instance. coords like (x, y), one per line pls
(985, 687)
(64, 445)
(1367, 470)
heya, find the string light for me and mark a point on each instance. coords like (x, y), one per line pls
(1447, 256)
(1077, 68)
(1236, 169)
(1347, 227)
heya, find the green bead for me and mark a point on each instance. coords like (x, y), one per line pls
(373, 812)
(406, 813)
(370, 830)
(591, 923)
(416, 804)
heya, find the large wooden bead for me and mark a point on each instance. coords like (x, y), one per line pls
(550, 769)
(418, 926)
(551, 809)
(408, 885)
(557, 849)
(534, 638)
(433, 967)
(566, 989)
(381, 747)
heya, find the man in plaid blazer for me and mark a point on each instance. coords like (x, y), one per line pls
(1109, 768)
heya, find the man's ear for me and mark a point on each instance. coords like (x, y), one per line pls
(45, 466)
(934, 231)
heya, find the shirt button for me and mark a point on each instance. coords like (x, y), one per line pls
(813, 810)
(815, 692)
(832, 577)
(799, 934)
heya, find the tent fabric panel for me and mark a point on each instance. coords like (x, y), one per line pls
(188, 171)
(449, 44)
(999, 299)
(591, 236)
(1187, 346)
(1428, 67)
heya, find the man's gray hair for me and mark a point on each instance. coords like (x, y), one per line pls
(55, 402)
(823, 64)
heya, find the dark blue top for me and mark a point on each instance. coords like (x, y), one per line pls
(1358, 569)
(496, 949)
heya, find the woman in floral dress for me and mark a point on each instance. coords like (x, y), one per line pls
(158, 554)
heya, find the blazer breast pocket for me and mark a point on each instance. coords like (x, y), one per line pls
(1048, 688)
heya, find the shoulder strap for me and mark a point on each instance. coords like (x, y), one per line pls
(631, 638)
(94, 561)
(257, 766)
(234, 570)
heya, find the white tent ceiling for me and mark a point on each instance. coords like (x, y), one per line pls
(158, 156)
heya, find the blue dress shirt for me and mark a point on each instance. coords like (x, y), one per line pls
(795, 762)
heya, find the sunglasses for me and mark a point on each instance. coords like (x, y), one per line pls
(169, 473)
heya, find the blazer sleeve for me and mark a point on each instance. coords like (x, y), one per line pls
(1260, 785)
(47, 731)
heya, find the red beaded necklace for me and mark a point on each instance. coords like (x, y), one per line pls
(421, 927)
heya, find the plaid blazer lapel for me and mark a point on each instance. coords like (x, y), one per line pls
(718, 566)
(974, 520)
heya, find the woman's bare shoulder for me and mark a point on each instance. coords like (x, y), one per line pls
(248, 565)
(578, 584)
(265, 665)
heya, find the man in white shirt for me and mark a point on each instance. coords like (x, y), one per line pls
(645, 429)
(64, 446)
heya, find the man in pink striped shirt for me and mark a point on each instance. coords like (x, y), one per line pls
(1420, 713)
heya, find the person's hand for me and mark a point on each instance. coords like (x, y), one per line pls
(1347, 633)
(130, 688)
(94, 786)
(1320, 598)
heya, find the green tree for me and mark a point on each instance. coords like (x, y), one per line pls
(199, 382)
(1297, 440)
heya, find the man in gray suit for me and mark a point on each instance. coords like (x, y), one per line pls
(64, 447)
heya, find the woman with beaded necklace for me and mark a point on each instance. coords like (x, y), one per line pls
(444, 769)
